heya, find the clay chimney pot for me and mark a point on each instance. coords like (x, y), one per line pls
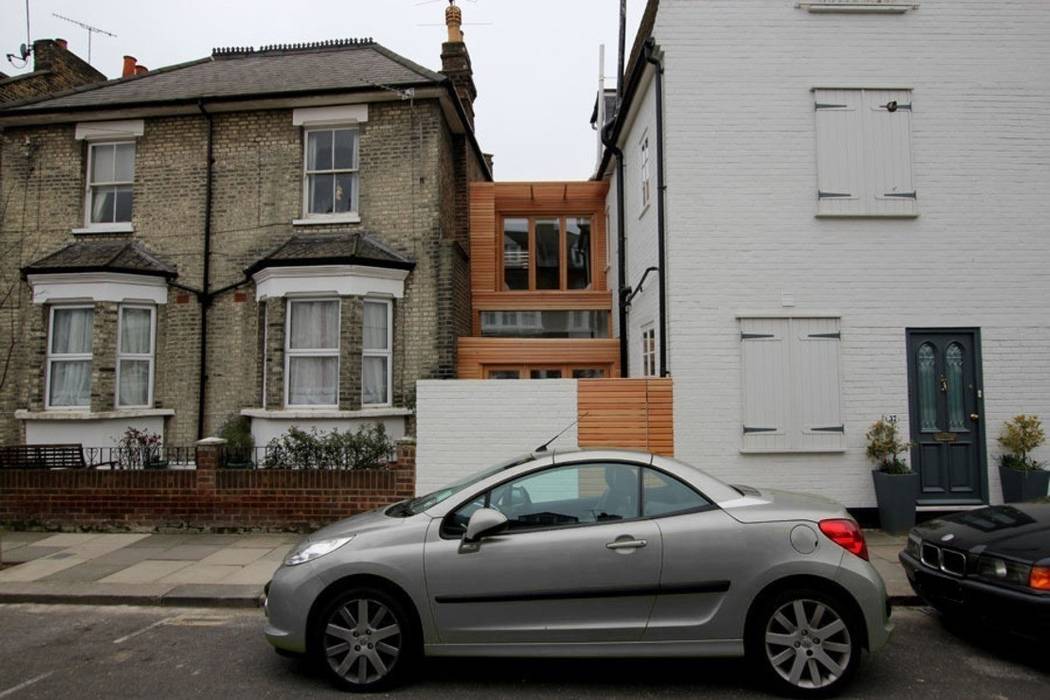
(129, 67)
(454, 22)
(141, 70)
(62, 43)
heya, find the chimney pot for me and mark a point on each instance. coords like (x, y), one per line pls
(62, 43)
(129, 67)
(454, 22)
(141, 70)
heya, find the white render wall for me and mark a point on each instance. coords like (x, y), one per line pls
(741, 198)
(464, 425)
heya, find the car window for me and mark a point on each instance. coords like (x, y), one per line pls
(569, 495)
(664, 494)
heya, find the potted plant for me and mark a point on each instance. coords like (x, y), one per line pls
(1022, 478)
(896, 485)
(140, 449)
(237, 432)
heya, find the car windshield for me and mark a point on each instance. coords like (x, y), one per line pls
(422, 503)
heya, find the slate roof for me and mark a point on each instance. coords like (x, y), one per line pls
(128, 256)
(338, 65)
(333, 249)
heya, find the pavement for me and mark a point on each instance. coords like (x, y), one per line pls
(208, 569)
(80, 651)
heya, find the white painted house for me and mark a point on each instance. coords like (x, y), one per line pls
(856, 223)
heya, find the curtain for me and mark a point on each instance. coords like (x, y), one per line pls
(71, 331)
(315, 325)
(134, 383)
(135, 331)
(373, 380)
(312, 381)
(375, 322)
(70, 383)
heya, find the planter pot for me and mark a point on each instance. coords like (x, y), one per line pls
(896, 494)
(1019, 486)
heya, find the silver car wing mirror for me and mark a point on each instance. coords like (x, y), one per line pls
(484, 521)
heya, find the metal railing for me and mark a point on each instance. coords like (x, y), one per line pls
(155, 457)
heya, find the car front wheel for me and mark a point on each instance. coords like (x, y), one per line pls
(805, 642)
(365, 641)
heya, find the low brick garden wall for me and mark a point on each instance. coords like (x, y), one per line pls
(205, 498)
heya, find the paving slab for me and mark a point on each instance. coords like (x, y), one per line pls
(268, 541)
(68, 539)
(39, 568)
(237, 556)
(257, 573)
(88, 572)
(149, 571)
(190, 552)
(29, 552)
(166, 541)
(198, 572)
(278, 554)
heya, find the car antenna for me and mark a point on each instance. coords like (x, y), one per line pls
(544, 446)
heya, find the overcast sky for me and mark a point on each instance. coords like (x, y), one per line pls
(535, 61)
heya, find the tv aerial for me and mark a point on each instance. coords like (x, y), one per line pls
(90, 30)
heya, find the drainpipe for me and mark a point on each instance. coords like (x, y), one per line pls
(204, 297)
(657, 62)
(621, 253)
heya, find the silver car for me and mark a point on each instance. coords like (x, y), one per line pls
(589, 553)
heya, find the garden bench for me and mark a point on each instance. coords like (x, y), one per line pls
(43, 457)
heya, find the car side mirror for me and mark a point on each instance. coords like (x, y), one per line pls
(484, 521)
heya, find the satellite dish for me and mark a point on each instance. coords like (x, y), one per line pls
(24, 51)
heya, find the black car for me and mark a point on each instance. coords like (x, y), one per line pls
(992, 563)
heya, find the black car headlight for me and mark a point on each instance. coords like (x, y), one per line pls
(1003, 570)
(913, 546)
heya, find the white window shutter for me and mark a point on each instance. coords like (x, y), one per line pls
(839, 156)
(818, 416)
(888, 136)
(765, 373)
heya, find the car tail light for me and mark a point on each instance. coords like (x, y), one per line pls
(1039, 579)
(846, 534)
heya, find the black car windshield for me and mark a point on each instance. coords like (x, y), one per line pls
(422, 503)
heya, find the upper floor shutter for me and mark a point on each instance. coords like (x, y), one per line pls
(888, 116)
(839, 157)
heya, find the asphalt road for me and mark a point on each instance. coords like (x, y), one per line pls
(55, 651)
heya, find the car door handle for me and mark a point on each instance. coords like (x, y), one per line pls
(626, 544)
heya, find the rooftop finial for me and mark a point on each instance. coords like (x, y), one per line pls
(454, 20)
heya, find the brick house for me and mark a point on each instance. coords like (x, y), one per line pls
(55, 68)
(278, 233)
(846, 205)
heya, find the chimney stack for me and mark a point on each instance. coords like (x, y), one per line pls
(129, 67)
(455, 61)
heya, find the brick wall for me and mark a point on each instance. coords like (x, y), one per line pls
(55, 68)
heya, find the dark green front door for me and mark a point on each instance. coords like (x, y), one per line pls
(944, 389)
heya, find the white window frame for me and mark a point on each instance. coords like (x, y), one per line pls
(646, 176)
(649, 350)
(352, 216)
(89, 185)
(150, 356)
(52, 357)
(388, 353)
(289, 352)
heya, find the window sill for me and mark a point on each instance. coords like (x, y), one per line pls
(914, 215)
(313, 413)
(789, 451)
(854, 7)
(83, 414)
(352, 218)
(119, 227)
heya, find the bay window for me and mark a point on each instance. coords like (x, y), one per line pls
(135, 351)
(69, 357)
(312, 353)
(376, 353)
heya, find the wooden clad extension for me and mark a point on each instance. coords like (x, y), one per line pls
(634, 414)
(475, 353)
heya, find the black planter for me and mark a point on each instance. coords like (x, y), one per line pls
(1019, 486)
(896, 494)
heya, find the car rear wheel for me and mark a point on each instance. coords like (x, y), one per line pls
(805, 642)
(365, 640)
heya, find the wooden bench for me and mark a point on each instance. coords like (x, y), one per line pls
(42, 457)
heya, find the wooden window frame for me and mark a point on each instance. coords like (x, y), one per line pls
(524, 369)
(53, 357)
(649, 351)
(388, 352)
(90, 185)
(355, 206)
(563, 267)
(148, 357)
(290, 352)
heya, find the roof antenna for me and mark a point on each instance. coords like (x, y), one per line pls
(544, 446)
(90, 30)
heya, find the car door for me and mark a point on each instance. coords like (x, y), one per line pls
(576, 563)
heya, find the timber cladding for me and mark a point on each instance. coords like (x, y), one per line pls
(635, 414)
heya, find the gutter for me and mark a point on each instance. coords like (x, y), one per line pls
(649, 51)
(205, 297)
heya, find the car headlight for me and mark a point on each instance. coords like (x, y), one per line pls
(1004, 570)
(914, 544)
(313, 549)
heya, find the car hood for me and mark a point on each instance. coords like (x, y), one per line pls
(362, 522)
(1019, 531)
(770, 505)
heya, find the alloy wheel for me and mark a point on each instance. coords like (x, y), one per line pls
(808, 644)
(362, 641)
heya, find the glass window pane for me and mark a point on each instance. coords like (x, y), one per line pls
(665, 494)
(71, 332)
(376, 336)
(374, 380)
(504, 374)
(569, 496)
(122, 206)
(313, 381)
(344, 192)
(125, 162)
(70, 383)
(515, 254)
(545, 374)
(102, 163)
(315, 325)
(547, 270)
(545, 324)
(135, 330)
(134, 383)
(321, 192)
(344, 149)
(578, 251)
(588, 373)
(953, 360)
(103, 200)
(927, 365)
(319, 150)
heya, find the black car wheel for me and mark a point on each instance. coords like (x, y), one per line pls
(365, 641)
(805, 643)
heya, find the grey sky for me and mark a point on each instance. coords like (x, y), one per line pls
(535, 65)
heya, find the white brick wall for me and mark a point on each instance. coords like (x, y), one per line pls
(465, 425)
(741, 197)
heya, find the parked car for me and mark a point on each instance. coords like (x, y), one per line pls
(588, 553)
(991, 564)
